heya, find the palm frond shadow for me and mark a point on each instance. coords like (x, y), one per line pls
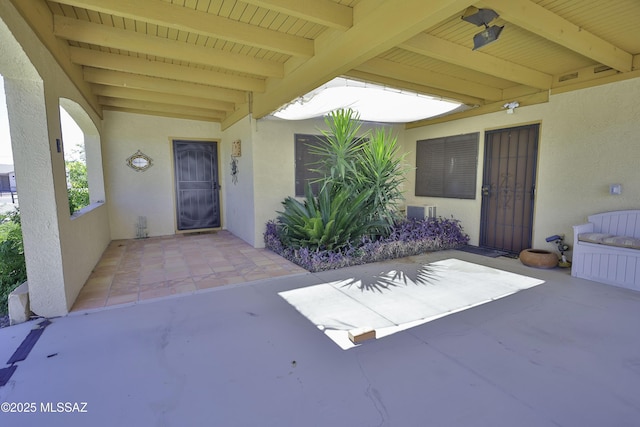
(425, 274)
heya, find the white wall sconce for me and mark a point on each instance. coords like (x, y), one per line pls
(615, 189)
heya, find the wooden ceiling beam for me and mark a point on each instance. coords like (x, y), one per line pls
(173, 114)
(537, 98)
(425, 77)
(538, 20)
(515, 92)
(116, 38)
(442, 50)
(389, 23)
(241, 112)
(416, 87)
(590, 77)
(323, 12)
(203, 23)
(130, 64)
(160, 107)
(157, 84)
(163, 98)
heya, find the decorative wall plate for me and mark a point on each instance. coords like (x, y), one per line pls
(139, 161)
(236, 148)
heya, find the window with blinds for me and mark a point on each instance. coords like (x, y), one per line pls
(447, 167)
(305, 161)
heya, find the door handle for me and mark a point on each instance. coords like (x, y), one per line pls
(486, 190)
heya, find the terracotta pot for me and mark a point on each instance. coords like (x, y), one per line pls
(538, 258)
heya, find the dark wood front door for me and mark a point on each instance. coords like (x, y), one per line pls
(197, 188)
(508, 188)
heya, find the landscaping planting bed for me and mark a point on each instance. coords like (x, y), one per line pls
(408, 237)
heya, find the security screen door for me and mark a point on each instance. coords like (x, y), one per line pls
(508, 188)
(196, 181)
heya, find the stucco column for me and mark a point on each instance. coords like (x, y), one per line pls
(32, 155)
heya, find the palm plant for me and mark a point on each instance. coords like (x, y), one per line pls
(379, 168)
(340, 149)
(329, 221)
(362, 178)
(366, 161)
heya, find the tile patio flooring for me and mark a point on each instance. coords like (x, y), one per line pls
(136, 270)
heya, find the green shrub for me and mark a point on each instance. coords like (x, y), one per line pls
(13, 270)
(78, 190)
(78, 198)
(77, 172)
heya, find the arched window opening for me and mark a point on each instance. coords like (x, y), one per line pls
(83, 159)
(75, 162)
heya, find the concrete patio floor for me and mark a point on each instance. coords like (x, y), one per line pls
(564, 353)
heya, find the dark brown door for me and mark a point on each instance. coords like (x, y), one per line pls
(197, 189)
(508, 188)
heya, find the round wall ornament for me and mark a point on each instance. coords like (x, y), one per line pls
(139, 161)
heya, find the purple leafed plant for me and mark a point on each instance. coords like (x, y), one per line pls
(407, 237)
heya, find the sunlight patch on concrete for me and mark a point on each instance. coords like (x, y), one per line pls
(395, 301)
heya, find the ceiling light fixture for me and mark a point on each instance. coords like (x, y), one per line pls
(480, 17)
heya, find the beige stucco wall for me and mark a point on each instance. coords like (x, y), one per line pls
(588, 140)
(239, 205)
(60, 252)
(591, 139)
(274, 167)
(91, 222)
(150, 193)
